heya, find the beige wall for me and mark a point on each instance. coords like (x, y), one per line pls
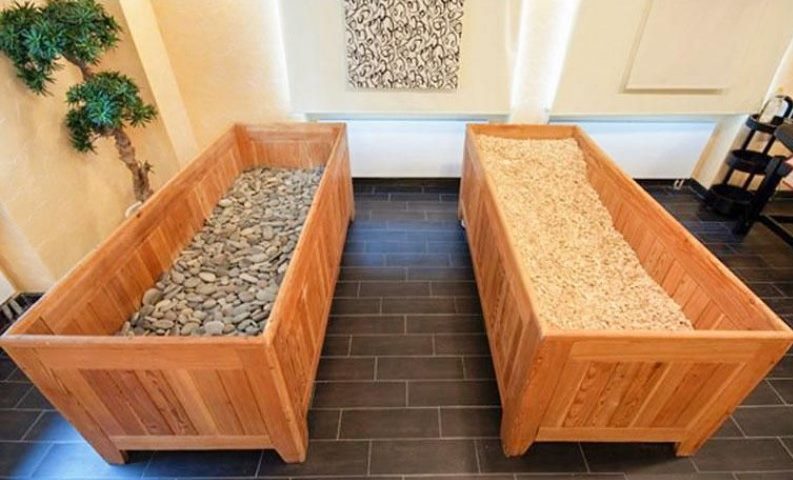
(228, 61)
(57, 203)
(142, 27)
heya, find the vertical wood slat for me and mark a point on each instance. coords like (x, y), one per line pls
(171, 393)
(614, 386)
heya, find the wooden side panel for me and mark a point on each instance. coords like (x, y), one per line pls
(691, 275)
(615, 386)
(106, 287)
(300, 316)
(513, 331)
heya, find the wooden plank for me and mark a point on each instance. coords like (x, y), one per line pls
(217, 442)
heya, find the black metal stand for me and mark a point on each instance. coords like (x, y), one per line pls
(777, 169)
(735, 200)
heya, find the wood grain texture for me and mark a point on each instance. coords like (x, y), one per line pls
(193, 393)
(578, 385)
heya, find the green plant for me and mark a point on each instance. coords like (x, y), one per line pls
(36, 39)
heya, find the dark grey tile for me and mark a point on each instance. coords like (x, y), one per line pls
(783, 369)
(763, 394)
(379, 204)
(454, 289)
(359, 394)
(728, 429)
(453, 393)
(325, 458)
(765, 421)
(433, 206)
(468, 305)
(52, 427)
(395, 289)
(467, 477)
(346, 289)
(429, 273)
(363, 260)
(451, 247)
(574, 476)
(423, 456)
(7, 366)
(419, 368)
(417, 259)
(444, 324)
(465, 344)
(18, 376)
(478, 367)
(323, 424)
(682, 476)
(392, 345)
(354, 247)
(14, 423)
(336, 346)
(20, 459)
(346, 369)
(12, 393)
(365, 324)
(782, 306)
(80, 461)
(386, 215)
(784, 388)
(414, 305)
(635, 458)
(351, 274)
(390, 423)
(748, 454)
(470, 422)
(764, 289)
(396, 247)
(765, 476)
(351, 306)
(541, 457)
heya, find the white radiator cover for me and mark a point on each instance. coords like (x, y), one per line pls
(647, 149)
(434, 148)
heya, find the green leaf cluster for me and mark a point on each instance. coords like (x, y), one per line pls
(104, 102)
(36, 38)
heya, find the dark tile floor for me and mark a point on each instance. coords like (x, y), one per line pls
(405, 385)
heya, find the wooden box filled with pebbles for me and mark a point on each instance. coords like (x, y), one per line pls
(198, 323)
(607, 321)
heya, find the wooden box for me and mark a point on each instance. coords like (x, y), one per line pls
(167, 393)
(615, 386)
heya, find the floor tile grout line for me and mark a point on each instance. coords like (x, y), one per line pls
(784, 445)
(30, 428)
(583, 456)
(258, 466)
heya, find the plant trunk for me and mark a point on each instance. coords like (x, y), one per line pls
(140, 170)
(126, 152)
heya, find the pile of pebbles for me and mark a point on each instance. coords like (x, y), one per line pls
(226, 280)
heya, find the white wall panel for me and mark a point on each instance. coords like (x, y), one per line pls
(609, 33)
(315, 57)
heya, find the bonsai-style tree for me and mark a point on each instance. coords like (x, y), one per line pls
(37, 38)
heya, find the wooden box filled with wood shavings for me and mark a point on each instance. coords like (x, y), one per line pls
(607, 320)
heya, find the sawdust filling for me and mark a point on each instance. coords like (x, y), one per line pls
(583, 272)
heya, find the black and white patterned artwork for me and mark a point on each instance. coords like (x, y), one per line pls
(403, 43)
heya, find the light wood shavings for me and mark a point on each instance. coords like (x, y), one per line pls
(583, 272)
